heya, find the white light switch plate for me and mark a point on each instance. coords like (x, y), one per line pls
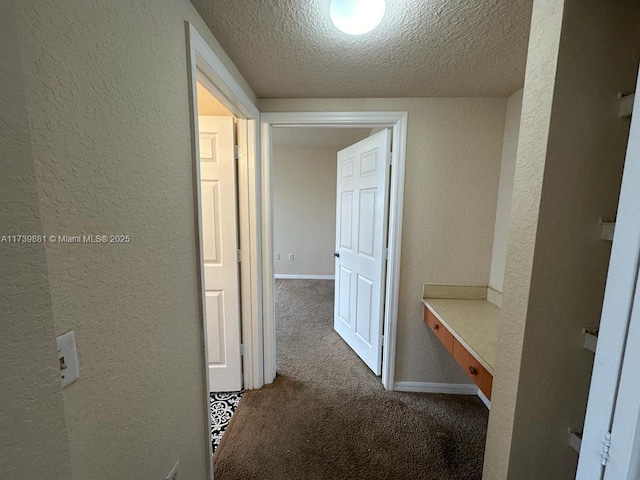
(69, 371)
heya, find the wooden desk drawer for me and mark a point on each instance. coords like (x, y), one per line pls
(438, 329)
(473, 368)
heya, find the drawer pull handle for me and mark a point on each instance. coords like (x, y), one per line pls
(436, 326)
(473, 370)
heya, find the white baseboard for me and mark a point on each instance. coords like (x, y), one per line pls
(450, 388)
(484, 399)
(426, 387)
(494, 296)
(286, 276)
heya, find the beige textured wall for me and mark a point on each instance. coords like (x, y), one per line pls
(304, 209)
(109, 110)
(33, 433)
(571, 130)
(453, 163)
(505, 190)
(523, 223)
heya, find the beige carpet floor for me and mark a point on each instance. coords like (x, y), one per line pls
(327, 415)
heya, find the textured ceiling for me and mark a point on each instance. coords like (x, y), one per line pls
(422, 48)
(318, 137)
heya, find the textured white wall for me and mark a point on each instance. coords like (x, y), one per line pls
(304, 209)
(33, 433)
(505, 190)
(453, 163)
(568, 172)
(109, 111)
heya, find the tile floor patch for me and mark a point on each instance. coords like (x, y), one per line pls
(222, 406)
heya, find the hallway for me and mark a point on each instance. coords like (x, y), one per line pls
(328, 416)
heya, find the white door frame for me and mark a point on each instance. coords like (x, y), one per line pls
(205, 67)
(398, 122)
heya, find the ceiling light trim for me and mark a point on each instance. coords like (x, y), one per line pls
(357, 17)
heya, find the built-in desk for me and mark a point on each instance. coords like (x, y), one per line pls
(468, 329)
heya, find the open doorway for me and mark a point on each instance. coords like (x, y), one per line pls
(304, 187)
(218, 146)
(228, 112)
(393, 125)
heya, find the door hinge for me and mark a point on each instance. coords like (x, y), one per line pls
(241, 349)
(386, 254)
(390, 158)
(236, 152)
(606, 445)
(239, 256)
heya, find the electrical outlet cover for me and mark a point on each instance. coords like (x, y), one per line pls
(68, 357)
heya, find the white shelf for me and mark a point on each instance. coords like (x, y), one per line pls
(590, 338)
(607, 226)
(626, 105)
(575, 440)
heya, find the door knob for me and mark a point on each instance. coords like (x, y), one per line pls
(336, 254)
(473, 370)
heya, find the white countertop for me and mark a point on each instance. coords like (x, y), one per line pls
(474, 323)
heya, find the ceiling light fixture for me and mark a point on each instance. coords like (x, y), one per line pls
(356, 17)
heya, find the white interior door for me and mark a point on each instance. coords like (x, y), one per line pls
(361, 232)
(220, 252)
(614, 395)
